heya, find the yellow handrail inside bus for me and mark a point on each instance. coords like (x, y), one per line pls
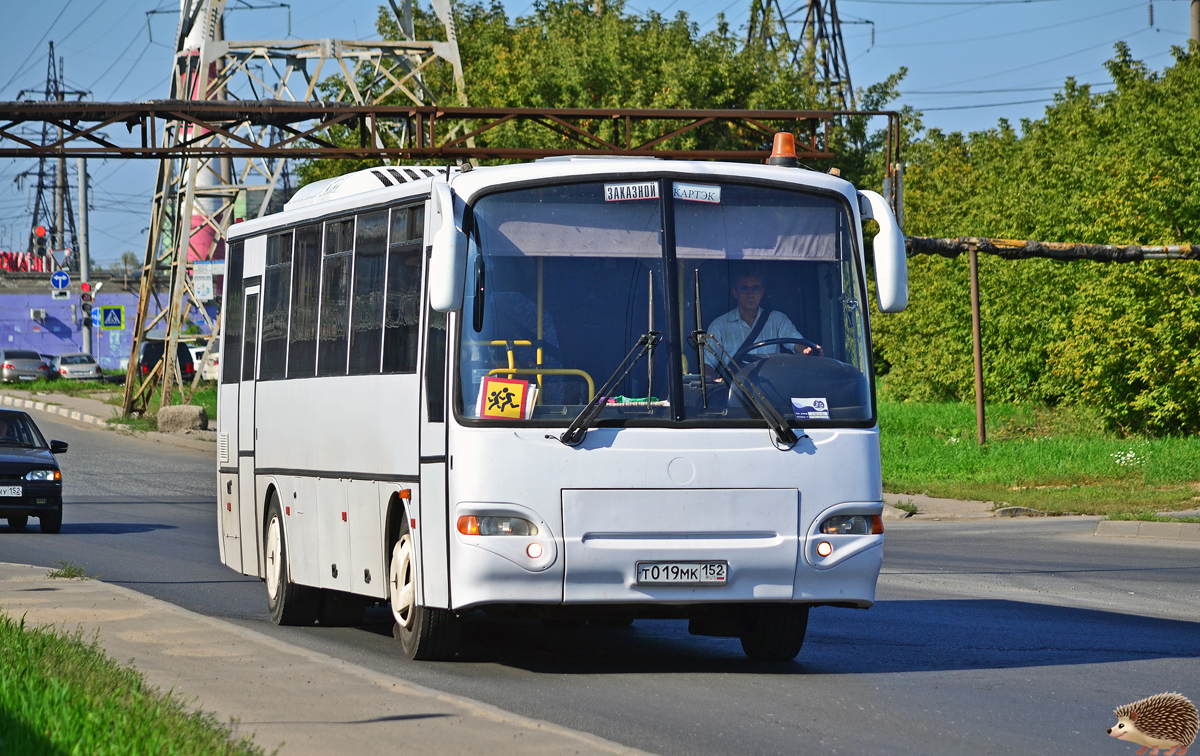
(540, 371)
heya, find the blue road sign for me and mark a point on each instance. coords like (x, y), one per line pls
(112, 317)
(96, 317)
(60, 280)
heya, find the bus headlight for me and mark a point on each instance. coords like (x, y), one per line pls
(487, 525)
(43, 475)
(852, 525)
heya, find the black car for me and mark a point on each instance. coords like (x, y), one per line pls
(152, 351)
(30, 481)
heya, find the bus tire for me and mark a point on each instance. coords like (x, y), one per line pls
(289, 604)
(774, 633)
(51, 522)
(432, 636)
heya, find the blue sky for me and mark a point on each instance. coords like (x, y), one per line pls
(970, 63)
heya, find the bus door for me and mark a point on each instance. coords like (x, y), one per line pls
(246, 434)
(433, 517)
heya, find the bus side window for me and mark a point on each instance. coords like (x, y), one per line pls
(402, 314)
(251, 336)
(366, 306)
(277, 284)
(435, 366)
(335, 297)
(306, 289)
(231, 359)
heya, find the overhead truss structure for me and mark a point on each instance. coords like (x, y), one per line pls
(211, 170)
(278, 129)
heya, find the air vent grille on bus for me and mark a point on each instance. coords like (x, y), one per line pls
(390, 176)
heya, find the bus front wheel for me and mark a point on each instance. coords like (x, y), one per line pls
(774, 633)
(424, 633)
(290, 604)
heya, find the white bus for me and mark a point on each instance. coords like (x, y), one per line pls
(577, 389)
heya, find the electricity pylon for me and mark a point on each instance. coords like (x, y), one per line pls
(818, 44)
(52, 204)
(196, 199)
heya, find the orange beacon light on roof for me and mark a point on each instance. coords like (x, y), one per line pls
(783, 152)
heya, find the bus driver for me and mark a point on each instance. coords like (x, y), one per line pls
(735, 328)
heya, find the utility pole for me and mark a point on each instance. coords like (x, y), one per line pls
(60, 189)
(1196, 21)
(85, 272)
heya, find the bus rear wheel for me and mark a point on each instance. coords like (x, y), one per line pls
(424, 633)
(774, 633)
(290, 604)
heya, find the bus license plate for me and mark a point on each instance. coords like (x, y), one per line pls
(682, 573)
(10, 491)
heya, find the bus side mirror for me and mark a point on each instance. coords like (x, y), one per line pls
(448, 260)
(891, 262)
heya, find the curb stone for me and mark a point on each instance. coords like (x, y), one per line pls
(1174, 531)
(9, 401)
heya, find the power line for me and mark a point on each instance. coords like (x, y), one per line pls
(1022, 32)
(996, 91)
(21, 68)
(953, 2)
(1048, 60)
(989, 105)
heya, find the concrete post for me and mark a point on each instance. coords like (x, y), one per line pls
(85, 269)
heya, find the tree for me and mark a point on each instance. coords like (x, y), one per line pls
(1108, 168)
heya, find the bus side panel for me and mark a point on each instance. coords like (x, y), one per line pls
(366, 538)
(304, 533)
(333, 534)
(326, 427)
(227, 465)
(231, 525)
(432, 522)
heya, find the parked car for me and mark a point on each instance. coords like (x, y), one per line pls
(30, 480)
(152, 351)
(22, 365)
(209, 371)
(77, 366)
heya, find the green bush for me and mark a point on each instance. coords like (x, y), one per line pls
(1111, 168)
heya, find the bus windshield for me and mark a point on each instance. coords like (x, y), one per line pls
(564, 280)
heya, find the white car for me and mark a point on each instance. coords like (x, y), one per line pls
(209, 371)
(76, 366)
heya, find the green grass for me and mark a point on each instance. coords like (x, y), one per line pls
(61, 694)
(65, 568)
(205, 396)
(69, 388)
(1058, 461)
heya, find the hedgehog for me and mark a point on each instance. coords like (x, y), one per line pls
(1167, 720)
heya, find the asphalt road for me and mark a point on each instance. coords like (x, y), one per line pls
(988, 638)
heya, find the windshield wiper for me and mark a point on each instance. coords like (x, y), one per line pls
(783, 433)
(577, 430)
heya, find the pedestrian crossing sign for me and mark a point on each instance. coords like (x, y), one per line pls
(112, 317)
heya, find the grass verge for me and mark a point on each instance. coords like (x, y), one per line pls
(1056, 460)
(1147, 516)
(61, 694)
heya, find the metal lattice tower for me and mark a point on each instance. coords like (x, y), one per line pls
(52, 204)
(196, 199)
(817, 45)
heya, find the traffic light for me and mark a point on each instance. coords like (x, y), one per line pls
(85, 287)
(39, 241)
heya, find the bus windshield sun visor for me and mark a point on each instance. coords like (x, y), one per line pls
(576, 432)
